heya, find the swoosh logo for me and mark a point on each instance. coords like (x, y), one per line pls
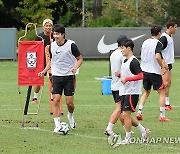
(103, 48)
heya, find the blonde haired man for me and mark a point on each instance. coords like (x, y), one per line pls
(48, 38)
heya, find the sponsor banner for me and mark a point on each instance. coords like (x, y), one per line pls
(30, 63)
(97, 42)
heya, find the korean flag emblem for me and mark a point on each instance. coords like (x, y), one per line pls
(31, 59)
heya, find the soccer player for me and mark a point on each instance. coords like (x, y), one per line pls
(48, 38)
(131, 78)
(65, 60)
(168, 54)
(153, 66)
(116, 60)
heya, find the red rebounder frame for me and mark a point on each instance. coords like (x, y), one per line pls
(30, 63)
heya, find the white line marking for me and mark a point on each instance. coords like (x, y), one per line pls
(92, 137)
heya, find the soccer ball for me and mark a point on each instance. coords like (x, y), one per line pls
(64, 129)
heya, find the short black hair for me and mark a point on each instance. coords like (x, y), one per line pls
(120, 39)
(128, 43)
(171, 23)
(155, 30)
(58, 28)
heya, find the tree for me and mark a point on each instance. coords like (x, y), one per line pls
(172, 10)
(8, 15)
(68, 13)
(35, 11)
(97, 8)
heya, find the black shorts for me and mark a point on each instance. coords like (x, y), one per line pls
(170, 66)
(151, 79)
(116, 96)
(66, 83)
(129, 102)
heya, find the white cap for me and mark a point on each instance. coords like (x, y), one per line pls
(47, 21)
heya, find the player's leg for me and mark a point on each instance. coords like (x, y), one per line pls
(69, 90)
(147, 89)
(57, 93)
(127, 125)
(144, 131)
(167, 101)
(70, 106)
(167, 82)
(142, 101)
(36, 91)
(115, 115)
(113, 119)
(161, 93)
(129, 103)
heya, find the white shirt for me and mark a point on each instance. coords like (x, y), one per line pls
(168, 52)
(116, 60)
(130, 87)
(149, 63)
(62, 59)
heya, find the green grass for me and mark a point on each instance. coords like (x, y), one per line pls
(92, 112)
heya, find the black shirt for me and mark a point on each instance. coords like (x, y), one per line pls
(46, 39)
(46, 42)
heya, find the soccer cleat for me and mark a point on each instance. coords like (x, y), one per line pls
(168, 108)
(139, 116)
(109, 132)
(63, 130)
(164, 119)
(72, 123)
(56, 129)
(34, 100)
(145, 135)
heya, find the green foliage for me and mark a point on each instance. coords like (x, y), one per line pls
(71, 13)
(35, 11)
(1, 3)
(31, 34)
(133, 13)
(172, 9)
(115, 13)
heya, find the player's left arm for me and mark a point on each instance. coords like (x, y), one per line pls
(78, 56)
(136, 70)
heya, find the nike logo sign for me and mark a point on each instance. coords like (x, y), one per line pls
(103, 48)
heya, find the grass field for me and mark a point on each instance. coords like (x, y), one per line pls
(92, 112)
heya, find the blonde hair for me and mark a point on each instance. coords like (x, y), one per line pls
(47, 21)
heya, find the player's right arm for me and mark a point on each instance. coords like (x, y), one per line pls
(159, 57)
(48, 65)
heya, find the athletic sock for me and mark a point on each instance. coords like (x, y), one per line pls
(70, 115)
(141, 128)
(110, 126)
(167, 101)
(162, 111)
(35, 95)
(128, 135)
(57, 121)
(140, 109)
(51, 96)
